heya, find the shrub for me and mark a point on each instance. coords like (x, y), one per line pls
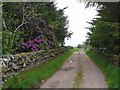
(11, 42)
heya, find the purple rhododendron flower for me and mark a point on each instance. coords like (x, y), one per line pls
(24, 44)
(33, 45)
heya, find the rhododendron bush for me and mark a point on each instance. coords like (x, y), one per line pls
(36, 44)
(32, 26)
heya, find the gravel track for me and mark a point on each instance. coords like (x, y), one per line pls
(92, 76)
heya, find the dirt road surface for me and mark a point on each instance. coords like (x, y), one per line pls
(92, 76)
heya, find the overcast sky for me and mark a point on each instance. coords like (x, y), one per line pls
(78, 17)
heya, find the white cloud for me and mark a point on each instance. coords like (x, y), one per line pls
(77, 16)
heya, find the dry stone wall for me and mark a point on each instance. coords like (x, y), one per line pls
(113, 59)
(14, 64)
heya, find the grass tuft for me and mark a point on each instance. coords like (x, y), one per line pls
(27, 79)
(110, 71)
(78, 79)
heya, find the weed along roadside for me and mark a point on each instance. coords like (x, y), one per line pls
(30, 78)
(110, 71)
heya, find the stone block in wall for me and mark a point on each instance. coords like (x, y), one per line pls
(115, 59)
(14, 66)
(5, 69)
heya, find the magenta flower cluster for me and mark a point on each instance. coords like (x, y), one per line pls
(31, 45)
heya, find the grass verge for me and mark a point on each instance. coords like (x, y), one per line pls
(28, 79)
(110, 71)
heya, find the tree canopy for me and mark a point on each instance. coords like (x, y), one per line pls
(32, 26)
(104, 34)
(79, 46)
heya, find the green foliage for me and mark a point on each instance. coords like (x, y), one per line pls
(11, 42)
(104, 33)
(110, 71)
(35, 19)
(56, 18)
(79, 46)
(27, 79)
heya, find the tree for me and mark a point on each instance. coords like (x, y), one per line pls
(104, 33)
(79, 46)
(32, 21)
